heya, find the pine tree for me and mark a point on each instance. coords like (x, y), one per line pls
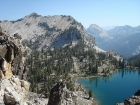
(90, 93)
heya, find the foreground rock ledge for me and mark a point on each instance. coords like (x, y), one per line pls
(60, 95)
(13, 92)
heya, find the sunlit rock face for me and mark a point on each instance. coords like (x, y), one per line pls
(11, 59)
(13, 92)
(14, 89)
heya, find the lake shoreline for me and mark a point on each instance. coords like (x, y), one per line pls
(94, 100)
(122, 75)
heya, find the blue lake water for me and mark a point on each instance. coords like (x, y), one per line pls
(115, 88)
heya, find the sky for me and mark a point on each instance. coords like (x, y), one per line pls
(101, 12)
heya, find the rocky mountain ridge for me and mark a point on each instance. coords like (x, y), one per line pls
(123, 39)
(41, 32)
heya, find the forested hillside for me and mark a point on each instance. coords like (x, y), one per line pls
(47, 67)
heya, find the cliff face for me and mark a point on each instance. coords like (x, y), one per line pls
(11, 59)
(14, 90)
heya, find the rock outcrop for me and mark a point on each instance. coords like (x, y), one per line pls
(11, 59)
(14, 90)
(60, 95)
(114, 54)
(134, 100)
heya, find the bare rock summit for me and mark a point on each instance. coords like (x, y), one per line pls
(41, 32)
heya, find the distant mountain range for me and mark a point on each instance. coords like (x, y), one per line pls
(123, 39)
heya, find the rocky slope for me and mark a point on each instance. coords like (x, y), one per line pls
(14, 90)
(41, 32)
(123, 39)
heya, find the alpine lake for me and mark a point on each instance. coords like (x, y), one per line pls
(113, 89)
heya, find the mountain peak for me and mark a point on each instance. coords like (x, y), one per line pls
(95, 27)
(34, 15)
(98, 33)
